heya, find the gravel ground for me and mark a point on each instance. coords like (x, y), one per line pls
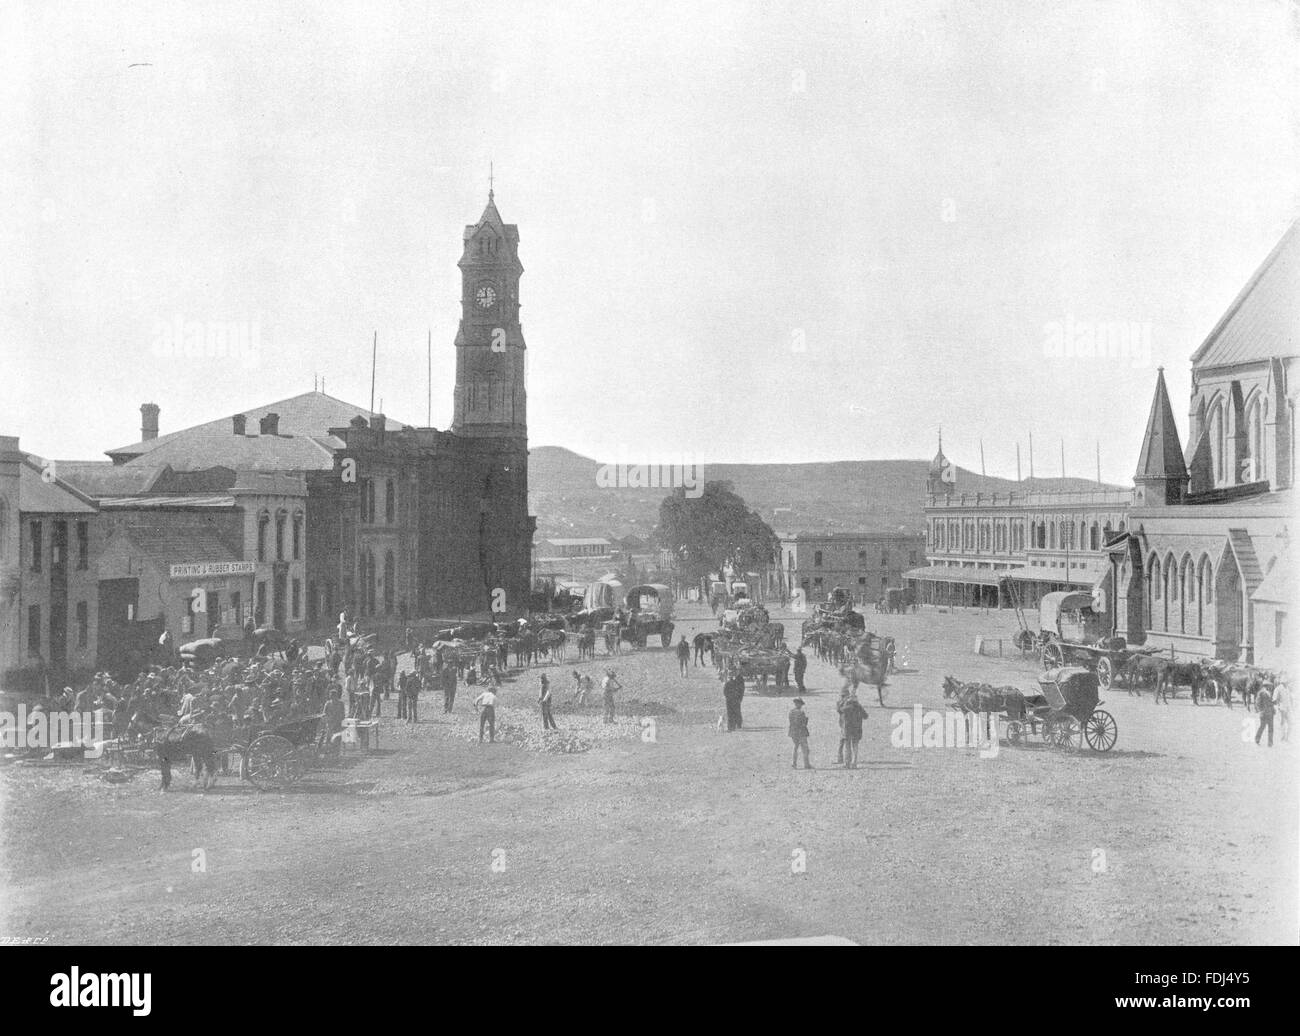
(673, 831)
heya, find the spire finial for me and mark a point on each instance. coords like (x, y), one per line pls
(491, 181)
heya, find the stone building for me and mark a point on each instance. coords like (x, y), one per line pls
(864, 563)
(1206, 567)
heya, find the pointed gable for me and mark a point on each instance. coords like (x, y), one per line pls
(1162, 450)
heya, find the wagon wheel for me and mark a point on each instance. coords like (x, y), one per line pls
(1101, 731)
(1066, 733)
(1015, 732)
(265, 763)
(1105, 672)
(1053, 656)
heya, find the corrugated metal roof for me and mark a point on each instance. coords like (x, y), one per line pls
(162, 502)
(960, 574)
(1264, 320)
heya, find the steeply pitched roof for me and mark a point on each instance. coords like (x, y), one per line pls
(310, 414)
(1162, 451)
(1281, 582)
(1264, 320)
(45, 495)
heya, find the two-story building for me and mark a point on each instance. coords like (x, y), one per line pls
(864, 563)
(996, 549)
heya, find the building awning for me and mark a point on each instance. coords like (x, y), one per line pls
(1094, 570)
(960, 574)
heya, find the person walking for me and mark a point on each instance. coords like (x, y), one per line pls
(800, 667)
(609, 685)
(413, 688)
(448, 687)
(851, 716)
(486, 703)
(333, 724)
(799, 734)
(1265, 706)
(403, 680)
(733, 693)
(544, 699)
(683, 655)
(1282, 705)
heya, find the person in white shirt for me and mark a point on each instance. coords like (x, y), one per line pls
(486, 703)
(609, 685)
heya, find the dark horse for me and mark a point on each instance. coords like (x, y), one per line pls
(180, 743)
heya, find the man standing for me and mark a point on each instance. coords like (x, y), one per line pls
(799, 734)
(403, 681)
(733, 693)
(1282, 705)
(448, 687)
(609, 685)
(413, 688)
(851, 716)
(1264, 705)
(544, 699)
(333, 722)
(800, 667)
(683, 655)
(486, 703)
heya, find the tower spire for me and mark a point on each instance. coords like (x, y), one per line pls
(491, 181)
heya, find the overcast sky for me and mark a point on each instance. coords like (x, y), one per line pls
(751, 232)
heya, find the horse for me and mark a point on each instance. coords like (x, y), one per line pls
(984, 698)
(1141, 669)
(1174, 674)
(702, 642)
(587, 644)
(551, 642)
(181, 742)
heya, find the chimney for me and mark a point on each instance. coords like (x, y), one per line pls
(379, 423)
(270, 424)
(239, 423)
(148, 421)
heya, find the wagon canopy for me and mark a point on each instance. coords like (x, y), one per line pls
(604, 593)
(651, 595)
(1053, 604)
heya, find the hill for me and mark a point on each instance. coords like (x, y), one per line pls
(842, 496)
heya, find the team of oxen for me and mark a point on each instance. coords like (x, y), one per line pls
(545, 637)
(1211, 679)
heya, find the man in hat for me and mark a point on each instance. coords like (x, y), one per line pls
(799, 734)
(851, 716)
(544, 700)
(683, 655)
(1264, 705)
(486, 703)
(800, 667)
(733, 693)
(609, 685)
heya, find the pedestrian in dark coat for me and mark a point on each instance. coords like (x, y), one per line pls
(800, 667)
(851, 715)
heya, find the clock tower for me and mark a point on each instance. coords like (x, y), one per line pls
(490, 397)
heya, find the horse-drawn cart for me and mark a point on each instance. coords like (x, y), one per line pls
(1072, 634)
(1065, 712)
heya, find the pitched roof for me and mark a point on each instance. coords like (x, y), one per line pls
(39, 494)
(1264, 319)
(166, 545)
(100, 478)
(310, 414)
(205, 447)
(1281, 582)
(1162, 452)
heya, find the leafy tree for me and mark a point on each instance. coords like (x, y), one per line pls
(708, 531)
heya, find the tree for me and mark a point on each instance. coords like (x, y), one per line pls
(708, 531)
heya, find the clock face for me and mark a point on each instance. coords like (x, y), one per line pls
(486, 296)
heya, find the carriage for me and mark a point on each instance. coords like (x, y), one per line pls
(273, 754)
(1065, 712)
(1072, 634)
(651, 605)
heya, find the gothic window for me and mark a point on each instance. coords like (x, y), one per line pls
(1255, 441)
(281, 516)
(297, 535)
(390, 570)
(390, 502)
(1218, 441)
